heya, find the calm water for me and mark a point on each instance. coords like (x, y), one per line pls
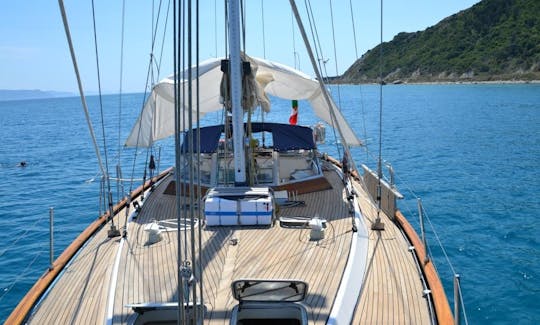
(471, 152)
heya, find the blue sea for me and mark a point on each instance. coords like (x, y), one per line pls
(470, 152)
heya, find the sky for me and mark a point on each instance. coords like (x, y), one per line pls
(34, 53)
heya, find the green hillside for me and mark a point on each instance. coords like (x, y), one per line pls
(493, 40)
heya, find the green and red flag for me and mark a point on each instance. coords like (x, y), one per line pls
(293, 119)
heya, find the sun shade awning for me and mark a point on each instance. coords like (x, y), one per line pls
(284, 136)
(156, 120)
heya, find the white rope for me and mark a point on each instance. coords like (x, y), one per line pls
(79, 83)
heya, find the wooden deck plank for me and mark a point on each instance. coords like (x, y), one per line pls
(392, 292)
(147, 273)
(73, 300)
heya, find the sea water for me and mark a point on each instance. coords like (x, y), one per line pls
(471, 153)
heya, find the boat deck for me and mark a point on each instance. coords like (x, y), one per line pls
(144, 272)
(393, 291)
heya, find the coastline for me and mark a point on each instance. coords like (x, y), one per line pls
(468, 82)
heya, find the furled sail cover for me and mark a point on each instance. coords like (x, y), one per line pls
(157, 117)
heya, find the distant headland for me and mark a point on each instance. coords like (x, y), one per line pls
(6, 94)
(493, 41)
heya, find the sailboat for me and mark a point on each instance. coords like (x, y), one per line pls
(253, 224)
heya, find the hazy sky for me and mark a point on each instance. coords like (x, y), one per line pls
(34, 52)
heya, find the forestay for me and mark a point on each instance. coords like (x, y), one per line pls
(157, 117)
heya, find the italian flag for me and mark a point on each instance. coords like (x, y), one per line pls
(293, 119)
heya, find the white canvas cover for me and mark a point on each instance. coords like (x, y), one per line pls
(157, 118)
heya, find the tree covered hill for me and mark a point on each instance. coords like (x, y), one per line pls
(493, 40)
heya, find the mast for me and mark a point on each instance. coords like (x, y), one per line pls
(235, 71)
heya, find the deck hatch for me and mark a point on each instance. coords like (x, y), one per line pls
(269, 290)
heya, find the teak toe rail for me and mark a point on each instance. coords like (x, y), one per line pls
(20, 312)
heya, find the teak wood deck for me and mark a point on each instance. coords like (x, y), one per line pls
(392, 292)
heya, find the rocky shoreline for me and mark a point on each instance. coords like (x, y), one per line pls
(465, 82)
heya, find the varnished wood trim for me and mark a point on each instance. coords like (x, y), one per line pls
(20, 312)
(305, 186)
(440, 301)
(334, 161)
(442, 308)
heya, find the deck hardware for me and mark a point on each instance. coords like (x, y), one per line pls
(188, 279)
(423, 233)
(137, 206)
(154, 232)
(457, 299)
(318, 228)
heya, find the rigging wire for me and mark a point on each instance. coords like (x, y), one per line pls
(119, 181)
(149, 82)
(335, 47)
(158, 65)
(263, 32)
(320, 57)
(325, 93)
(199, 194)
(101, 105)
(83, 100)
(177, 15)
(22, 274)
(295, 54)
(338, 87)
(154, 28)
(377, 225)
(120, 92)
(364, 130)
(445, 253)
(353, 28)
(191, 148)
(23, 235)
(215, 28)
(243, 21)
(315, 36)
(79, 84)
(226, 38)
(379, 167)
(181, 112)
(437, 239)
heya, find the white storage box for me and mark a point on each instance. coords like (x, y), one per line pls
(265, 211)
(211, 211)
(256, 211)
(228, 210)
(239, 206)
(220, 212)
(248, 214)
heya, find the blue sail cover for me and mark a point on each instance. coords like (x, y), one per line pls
(284, 136)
